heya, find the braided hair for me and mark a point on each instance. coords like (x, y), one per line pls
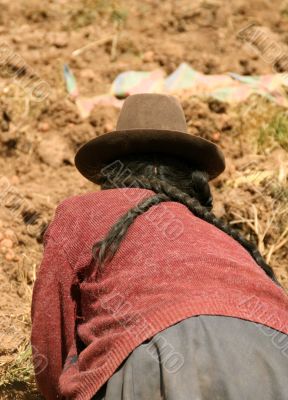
(171, 180)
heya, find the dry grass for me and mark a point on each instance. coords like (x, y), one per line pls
(275, 132)
(263, 137)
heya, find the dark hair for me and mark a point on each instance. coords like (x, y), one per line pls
(172, 180)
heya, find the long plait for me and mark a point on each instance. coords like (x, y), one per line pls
(104, 250)
(173, 193)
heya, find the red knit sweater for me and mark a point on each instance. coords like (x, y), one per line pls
(170, 266)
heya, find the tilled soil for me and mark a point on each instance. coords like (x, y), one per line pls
(38, 139)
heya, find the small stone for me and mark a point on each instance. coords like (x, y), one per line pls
(219, 209)
(1, 236)
(3, 249)
(148, 56)
(53, 150)
(15, 180)
(108, 127)
(216, 136)
(87, 74)
(7, 243)
(10, 234)
(217, 106)
(43, 126)
(10, 255)
(59, 39)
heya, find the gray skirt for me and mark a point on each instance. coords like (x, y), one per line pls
(205, 358)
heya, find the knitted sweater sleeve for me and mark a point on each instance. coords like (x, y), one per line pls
(53, 318)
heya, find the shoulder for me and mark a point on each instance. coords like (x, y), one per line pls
(82, 212)
(69, 213)
(67, 230)
(80, 220)
(101, 197)
(77, 204)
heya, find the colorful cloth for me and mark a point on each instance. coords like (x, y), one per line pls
(170, 266)
(132, 82)
(231, 87)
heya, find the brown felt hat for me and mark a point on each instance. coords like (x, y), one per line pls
(149, 123)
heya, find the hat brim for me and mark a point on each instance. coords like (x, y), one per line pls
(97, 153)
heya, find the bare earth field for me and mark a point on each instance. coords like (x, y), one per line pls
(38, 139)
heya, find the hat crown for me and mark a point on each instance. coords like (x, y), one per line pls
(149, 123)
(151, 111)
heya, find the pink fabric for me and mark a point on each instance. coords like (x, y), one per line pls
(170, 266)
